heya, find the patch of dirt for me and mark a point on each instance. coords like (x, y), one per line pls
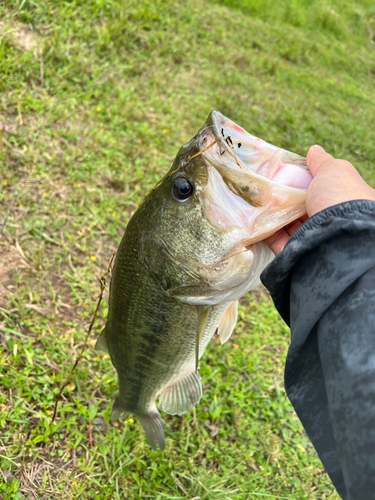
(21, 36)
(10, 259)
(9, 128)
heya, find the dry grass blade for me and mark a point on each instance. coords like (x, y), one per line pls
(180, 484)
(40, 310)
(10, 460)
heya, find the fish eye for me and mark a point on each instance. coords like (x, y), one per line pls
(182, 189)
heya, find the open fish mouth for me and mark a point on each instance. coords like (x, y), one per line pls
(209, 248)
(253, 189)
(253, 186)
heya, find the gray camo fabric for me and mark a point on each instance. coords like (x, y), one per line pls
(323, 285)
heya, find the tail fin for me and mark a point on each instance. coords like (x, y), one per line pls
(152, 423)
(154, 428)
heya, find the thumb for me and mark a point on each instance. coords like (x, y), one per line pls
(317, 158)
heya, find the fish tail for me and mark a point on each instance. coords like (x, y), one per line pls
(152, 423)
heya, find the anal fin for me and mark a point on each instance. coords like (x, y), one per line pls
(228, 322)
(179, 397)
(101, 343)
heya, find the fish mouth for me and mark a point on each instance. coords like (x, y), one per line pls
(253, 188)
(245, 190)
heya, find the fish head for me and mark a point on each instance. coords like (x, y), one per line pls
(225, 192)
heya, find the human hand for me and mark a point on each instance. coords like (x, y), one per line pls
(335, 181)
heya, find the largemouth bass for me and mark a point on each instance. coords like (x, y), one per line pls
(190, 251)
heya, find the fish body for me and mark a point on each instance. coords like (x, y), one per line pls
(190, 251)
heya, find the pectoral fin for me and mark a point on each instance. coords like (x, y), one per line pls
(179, 397)
(228, 322)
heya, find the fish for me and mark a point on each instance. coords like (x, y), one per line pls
(191, 250)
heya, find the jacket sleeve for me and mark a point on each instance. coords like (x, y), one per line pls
(323, 285)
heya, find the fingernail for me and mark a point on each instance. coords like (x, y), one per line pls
(318, 148)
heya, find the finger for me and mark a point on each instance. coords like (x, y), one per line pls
(292, 228)
(317, 158)
(277, 241)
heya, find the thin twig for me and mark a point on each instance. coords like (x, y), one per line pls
(102, 288)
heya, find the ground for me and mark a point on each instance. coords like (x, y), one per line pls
(96, 98)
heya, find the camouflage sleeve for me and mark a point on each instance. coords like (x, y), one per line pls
(323, 285)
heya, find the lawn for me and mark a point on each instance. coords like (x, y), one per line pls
(96, 98)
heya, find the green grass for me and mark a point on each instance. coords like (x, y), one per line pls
(96, 98)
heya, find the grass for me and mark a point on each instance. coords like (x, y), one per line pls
(96, 97)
